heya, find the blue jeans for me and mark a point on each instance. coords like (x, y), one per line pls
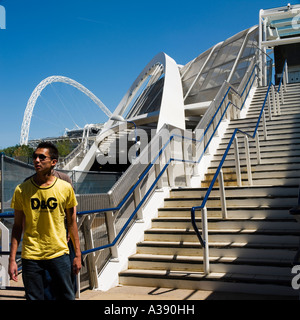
(48, 282)
(33, 273)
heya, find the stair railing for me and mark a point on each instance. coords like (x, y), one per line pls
(219, 173)
(277, 94)
(167, 168)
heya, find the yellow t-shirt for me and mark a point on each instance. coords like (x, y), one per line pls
(44, 209)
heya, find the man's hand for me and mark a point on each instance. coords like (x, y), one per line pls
(76, 265)
(73, 231)
(13, 270)
(15, 241)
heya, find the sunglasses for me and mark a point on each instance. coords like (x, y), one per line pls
(42, 157)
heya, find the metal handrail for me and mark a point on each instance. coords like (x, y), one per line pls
(220, 167)
(217, 173)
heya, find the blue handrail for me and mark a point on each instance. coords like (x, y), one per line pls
(130, 192)
(203, 243)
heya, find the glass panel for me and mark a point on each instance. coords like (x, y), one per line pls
(220, 65)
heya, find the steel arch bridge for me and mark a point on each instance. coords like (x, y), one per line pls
(36, 93)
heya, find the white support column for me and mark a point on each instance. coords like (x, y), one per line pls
(222, 194)
(286, 77)
(258, 156)
(170, 170)
(205, 238)
(274, 100)
(91, 265)
(137, 200)
(111, 230)
(187, 166)
(157, 172)
(248, 160)
(278, 111)
(265, 126)
(237, 162)
(4, 277)
(270, 107)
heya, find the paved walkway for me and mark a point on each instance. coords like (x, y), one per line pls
(16, 292)
(149, 293)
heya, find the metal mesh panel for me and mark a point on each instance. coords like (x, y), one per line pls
(123, 215)
(247, 55)
(94, 182)
(88, 202)
(84, 275)
(195, 67)
(219, 67)
(13, 172)
(130, 177)
(100, 238)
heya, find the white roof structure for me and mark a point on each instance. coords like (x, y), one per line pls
(279, 26)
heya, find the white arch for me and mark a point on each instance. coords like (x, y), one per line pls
(172, 105)
(37, 91)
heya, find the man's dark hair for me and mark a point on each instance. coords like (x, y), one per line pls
(52, 148)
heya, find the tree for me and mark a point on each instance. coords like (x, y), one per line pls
(22, 153)
(64, 147)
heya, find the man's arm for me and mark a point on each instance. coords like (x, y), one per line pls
(15, 241)
(73, 232)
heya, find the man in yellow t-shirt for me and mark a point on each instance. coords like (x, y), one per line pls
(40, 204)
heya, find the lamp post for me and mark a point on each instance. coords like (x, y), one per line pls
(121, 119)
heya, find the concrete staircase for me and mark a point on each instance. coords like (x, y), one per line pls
(253, 250)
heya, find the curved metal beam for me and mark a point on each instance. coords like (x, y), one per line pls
(172, 105)
(36, 93)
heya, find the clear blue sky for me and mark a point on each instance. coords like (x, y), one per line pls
(102, 44)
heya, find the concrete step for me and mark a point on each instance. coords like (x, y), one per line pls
(241, 201)
(262, 182)
(265, 154)
(219, 249)
(264, 149)
(252, 121)
(256, 175)
(227, 282)
(260, 95)
(274, 133)
(185, 240)
(284, 109)
(271, 125)
(258, 168)
(291, 110)
(242, 213)
(235, 191)
(264, 161)
(219, 262)
(288, 97)
(272, 138)
(229, 224)
(265, 145)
